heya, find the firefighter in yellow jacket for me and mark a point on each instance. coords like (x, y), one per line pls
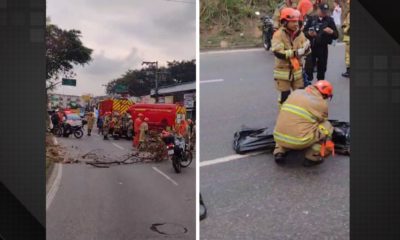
(346, 40)
(303, 124)
(278, 9)
(289, 45)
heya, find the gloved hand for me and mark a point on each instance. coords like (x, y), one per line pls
(307, 44)
(300, 52)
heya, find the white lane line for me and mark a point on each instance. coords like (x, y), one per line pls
(211, 81)
(118, 146)
(233, 51)
(54, 188)
(165, 175)
(228, 158)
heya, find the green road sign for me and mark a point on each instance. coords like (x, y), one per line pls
(120, 88)
(69, 82)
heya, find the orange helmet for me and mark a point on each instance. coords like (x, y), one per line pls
(146, 119)
(324, 87)
(140, 115)
(290, 14)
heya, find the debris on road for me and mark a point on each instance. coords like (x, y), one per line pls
(257, 139)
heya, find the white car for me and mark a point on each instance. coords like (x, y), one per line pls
(73, 120)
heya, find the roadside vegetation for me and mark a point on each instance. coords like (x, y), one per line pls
(233, 23)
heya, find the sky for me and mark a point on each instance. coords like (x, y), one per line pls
(123, 33)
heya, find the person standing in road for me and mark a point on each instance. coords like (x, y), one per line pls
(106, 125)
(277, 13)
(129, 127)
(321, 31)
(302, 124)
(289, 45)
(346, 39)
(100, 125)
(144, 128)
(337, 16)
(136, 129)
(117, 127)
(90, 122)
(306, 8)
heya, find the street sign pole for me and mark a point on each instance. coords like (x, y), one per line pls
(155, 76)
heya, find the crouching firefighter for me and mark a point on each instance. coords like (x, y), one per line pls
(289, 45)
(303, 124)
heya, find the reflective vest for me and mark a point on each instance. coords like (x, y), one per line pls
(285, 45)
(301, 116)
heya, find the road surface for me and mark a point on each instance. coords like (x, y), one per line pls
(120, 202)
(250, 197)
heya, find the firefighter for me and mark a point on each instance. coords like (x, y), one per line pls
(117, 127)
(289, 45)
(346, 40)
(182, 128)
(106, 125)
(90, 122)
(306, 8)
(144, 128)
(278, 9)
(136, 129)
(303, 123)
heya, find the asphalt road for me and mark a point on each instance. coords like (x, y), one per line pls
(252, 197)
(120, 202)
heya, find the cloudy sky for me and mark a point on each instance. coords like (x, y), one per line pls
(123, 33)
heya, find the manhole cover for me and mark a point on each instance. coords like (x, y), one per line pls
(168, 228)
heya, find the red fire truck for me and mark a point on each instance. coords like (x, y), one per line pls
(159, 115)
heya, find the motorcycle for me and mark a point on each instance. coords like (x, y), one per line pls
(67, 130)
(179, 152)
(267, 29)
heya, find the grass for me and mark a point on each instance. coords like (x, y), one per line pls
(233, 23)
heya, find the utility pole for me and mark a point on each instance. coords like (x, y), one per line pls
(155, 75)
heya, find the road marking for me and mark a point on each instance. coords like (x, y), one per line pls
(165, 175)
(228, 158)
(54, 188)
(211, 81)
(118, 146)
(233, 51)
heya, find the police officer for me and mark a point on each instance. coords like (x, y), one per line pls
(321, 31)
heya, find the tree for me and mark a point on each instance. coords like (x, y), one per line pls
(64, 49)
(140, 81)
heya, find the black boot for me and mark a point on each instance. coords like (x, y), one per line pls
(280, 158)
(310, 163)
(347, 73)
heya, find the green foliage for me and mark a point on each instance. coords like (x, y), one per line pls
(139, 82)
(64, 49)
(230, 13)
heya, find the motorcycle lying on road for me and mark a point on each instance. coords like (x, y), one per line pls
(267, 29)
(179, 152)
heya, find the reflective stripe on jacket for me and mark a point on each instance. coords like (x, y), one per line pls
(284, 46)
(301, 118)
